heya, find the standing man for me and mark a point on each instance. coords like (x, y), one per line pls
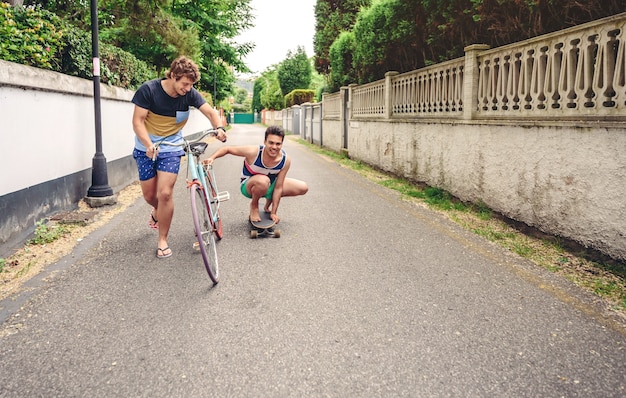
(161, 111)
(264, 173)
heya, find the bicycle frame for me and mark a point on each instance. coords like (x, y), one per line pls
(204, 177)
(205, 201)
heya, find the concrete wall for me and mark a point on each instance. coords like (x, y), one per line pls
(48, 131)
(568, 180)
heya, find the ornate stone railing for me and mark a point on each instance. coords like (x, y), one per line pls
(576, 73)
(368, 100)
(429, 91)
(332, 105)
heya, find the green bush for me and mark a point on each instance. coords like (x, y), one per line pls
(342, 71)
(76, 58)
(30, 36)
(122, 69)
(298, 96)
(39, 38)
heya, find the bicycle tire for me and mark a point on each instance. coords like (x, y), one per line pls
(216, 216)
(204, 231)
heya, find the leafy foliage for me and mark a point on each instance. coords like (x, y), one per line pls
(39, 38)
(76, 57)
(242, 102)
(318, 83)
(271, 96)
(332, 18)
(256, 95)
(217, 23)
(387, 38)
(294, 72)
(342, 72)
(122, 69)
(156, 40)
(31, 37)
(156, 32)
(298, 97)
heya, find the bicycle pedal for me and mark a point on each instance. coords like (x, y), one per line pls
(223, 196)
(196, 246)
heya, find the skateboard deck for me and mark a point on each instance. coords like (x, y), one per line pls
(264, 227)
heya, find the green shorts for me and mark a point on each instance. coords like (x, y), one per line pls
(267, 196)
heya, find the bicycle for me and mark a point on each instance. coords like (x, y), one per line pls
(205, 201)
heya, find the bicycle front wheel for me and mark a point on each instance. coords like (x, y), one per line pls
(204, 231)
(214, 203)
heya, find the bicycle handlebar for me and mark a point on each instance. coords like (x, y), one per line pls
(185, 142)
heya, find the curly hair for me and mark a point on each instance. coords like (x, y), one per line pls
(183, 67)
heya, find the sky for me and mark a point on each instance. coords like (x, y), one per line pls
(279, 26)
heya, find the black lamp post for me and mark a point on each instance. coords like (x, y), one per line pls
(100, 193)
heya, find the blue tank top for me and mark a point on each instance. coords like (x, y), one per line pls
(259, 168)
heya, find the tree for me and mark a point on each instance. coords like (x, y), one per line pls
(331, 18)
(217, 24)
(318, 81)
(388, 36)
(271, 96)
(240, 95)
(256, 95)
(294, 72)
(342, 71)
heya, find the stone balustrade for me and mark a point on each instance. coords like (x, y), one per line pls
(577, 73)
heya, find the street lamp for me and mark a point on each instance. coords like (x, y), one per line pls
(100, 193)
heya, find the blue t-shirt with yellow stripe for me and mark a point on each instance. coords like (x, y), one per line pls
(166, 115)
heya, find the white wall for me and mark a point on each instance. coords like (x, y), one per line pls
(48, 129)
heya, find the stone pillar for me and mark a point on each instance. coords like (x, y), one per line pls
(388, 110)
(344, 97)
(470, 79)
(348, 100)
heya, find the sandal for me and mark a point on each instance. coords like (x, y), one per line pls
(153, 222)
(163, 254)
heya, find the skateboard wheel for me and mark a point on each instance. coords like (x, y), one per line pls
(277, 233)
(254, 234)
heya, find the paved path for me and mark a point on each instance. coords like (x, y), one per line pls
(364, 295)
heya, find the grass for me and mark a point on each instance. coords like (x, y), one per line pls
(47, 233)
(590, 270)
(21, 263)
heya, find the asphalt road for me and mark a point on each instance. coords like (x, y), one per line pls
(364, 295)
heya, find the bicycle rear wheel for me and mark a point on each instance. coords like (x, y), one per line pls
(204, 231)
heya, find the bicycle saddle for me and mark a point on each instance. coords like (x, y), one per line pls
(198, 148)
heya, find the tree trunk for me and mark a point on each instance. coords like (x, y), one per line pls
(14, 2)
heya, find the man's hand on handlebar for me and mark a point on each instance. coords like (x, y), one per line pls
(221, 134)
(152, 152)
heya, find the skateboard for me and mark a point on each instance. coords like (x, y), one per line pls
(264, 227)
